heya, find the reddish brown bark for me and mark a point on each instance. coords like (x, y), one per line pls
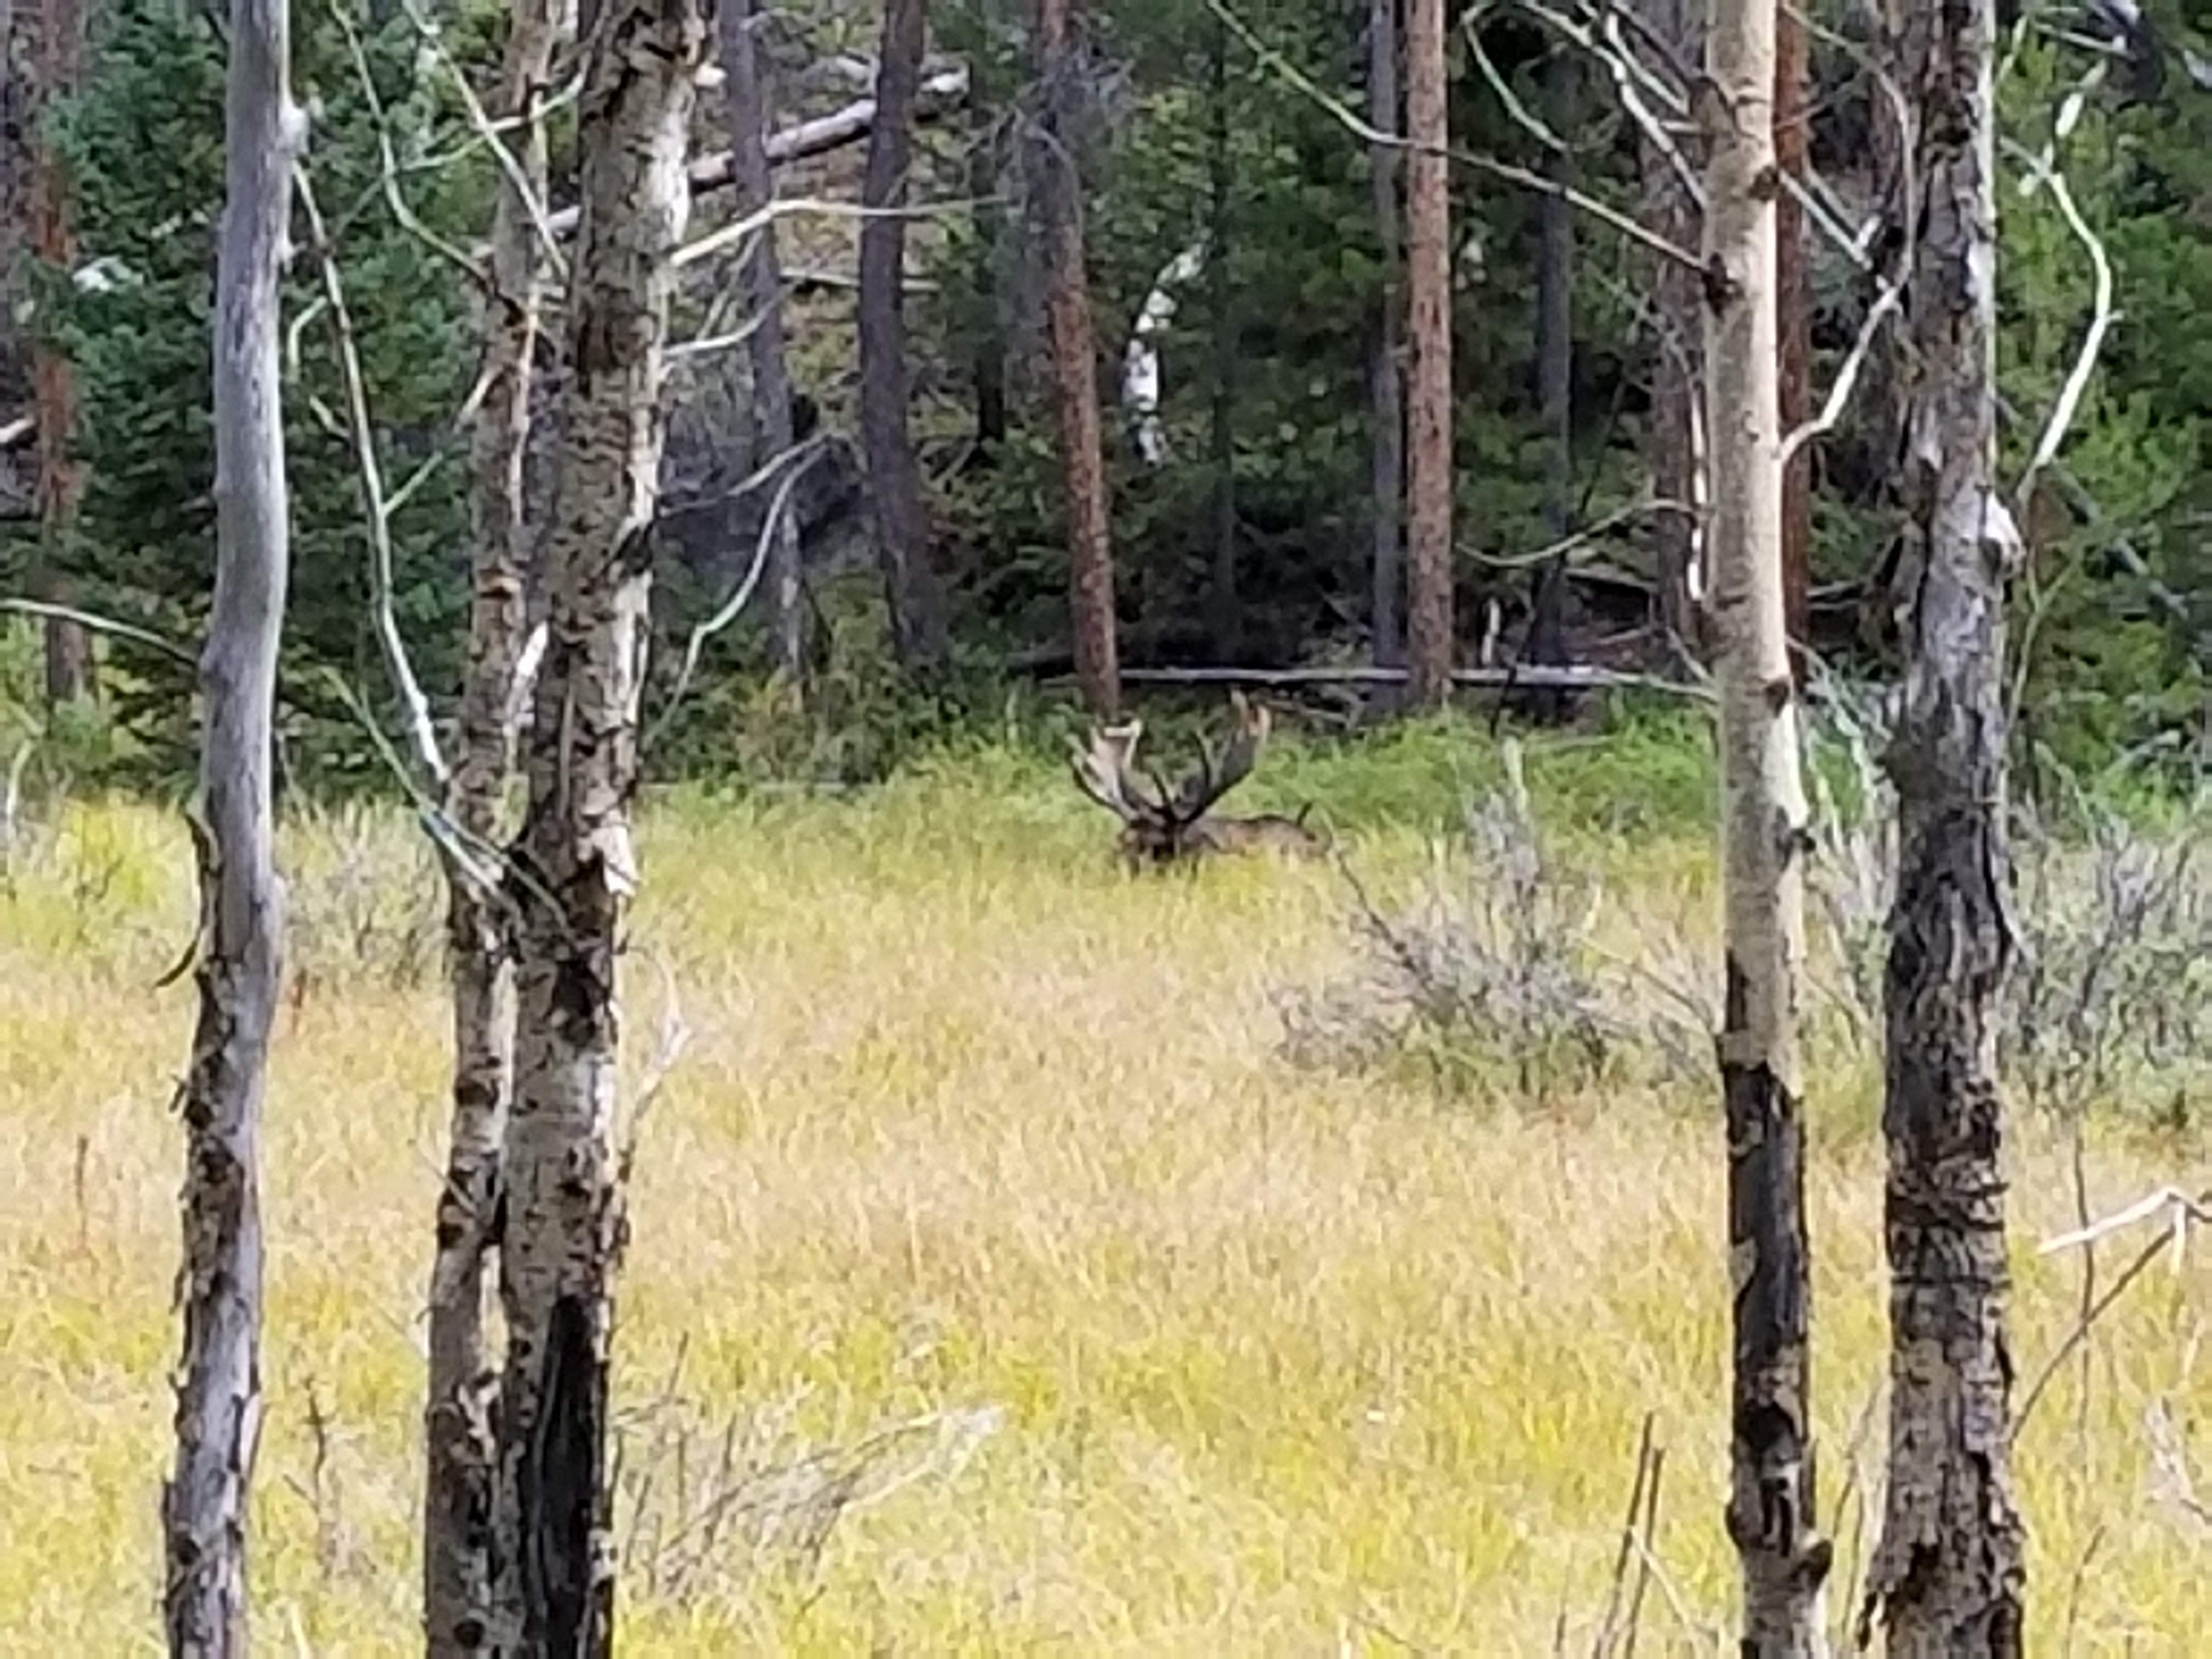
(1793, 304)
(1074, 362)
(1428, 279)
(69, 667)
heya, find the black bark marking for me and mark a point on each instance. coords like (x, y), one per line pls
(561, 1491)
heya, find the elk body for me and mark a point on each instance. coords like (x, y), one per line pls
(1160, 825)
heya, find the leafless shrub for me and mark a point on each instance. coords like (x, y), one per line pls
(705, 1502)
(364, 897)
(2108, 994)
(1496, 962)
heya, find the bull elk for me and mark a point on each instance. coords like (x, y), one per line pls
(1163, 826)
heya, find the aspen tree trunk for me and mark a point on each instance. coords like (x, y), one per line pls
(1770, 1508)
(1075, 368)
(459, 1454)
(1793, 300)
(910, 585)
(218, 1418)
(564, 1217)
(1948, 1577)
(1429, 438)
(1386, 376)
(744, 90)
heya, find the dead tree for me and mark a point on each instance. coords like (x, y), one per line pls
(204, 1503)
(1771, 1509)
(1056, 174)
(1162, 825)
(1428, 330)
(1948, 1577)
(911, 590)
(745, 95)
(459, 1455)
(576, 869)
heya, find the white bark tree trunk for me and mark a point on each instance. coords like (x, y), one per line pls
(460, 1455)
(564, 1222)
(1784, 1561)
(1948, 1577)
(203, 1505)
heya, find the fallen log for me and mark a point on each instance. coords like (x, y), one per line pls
(941, 93)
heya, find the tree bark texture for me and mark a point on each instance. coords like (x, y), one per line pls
(68, 659)
(1547, 641)
(460, 1456)
(1057, 177)
(1386, 378)
(1224, 611)
(1948, 1577)
(911, 589)
(1677, 371)
(564, 1222)
(746, 93)
(1793, 299)
(1429, 438)
(204, 1503)
(1771, 1509)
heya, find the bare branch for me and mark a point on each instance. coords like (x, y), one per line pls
(376, 510)
(1352, 121)
(97, 624)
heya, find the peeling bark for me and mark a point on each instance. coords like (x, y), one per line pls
(564, 1221)
(745, 91)
(1948, 1577)
(459, 1453)
(204, 1503)
(1075, 368)
(1771, 1511)
(903, 534)
(1429, 326)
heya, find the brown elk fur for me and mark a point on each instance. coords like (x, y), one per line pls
(1161, 826)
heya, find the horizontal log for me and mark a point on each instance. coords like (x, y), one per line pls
(1532, 678)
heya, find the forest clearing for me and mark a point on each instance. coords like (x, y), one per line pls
(983, 1183)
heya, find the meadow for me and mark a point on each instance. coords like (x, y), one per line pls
(1001, 1282)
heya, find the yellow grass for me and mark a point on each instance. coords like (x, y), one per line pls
(1281, 1363)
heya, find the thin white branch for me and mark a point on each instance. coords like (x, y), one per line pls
(1352, 121)
(740, 230)
(1847, 374)
(2179, 1207)
(376, 509)
(2042, 172)
(797, 459)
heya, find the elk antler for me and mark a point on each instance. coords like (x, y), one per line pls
(1249, 725)
(1101, 772)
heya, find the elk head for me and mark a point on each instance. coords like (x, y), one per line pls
(1161, 825)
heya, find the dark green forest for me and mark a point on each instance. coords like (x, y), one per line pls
(1243, 539)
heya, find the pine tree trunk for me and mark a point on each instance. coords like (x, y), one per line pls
(1793, 300)
(459, 1453)
(902, 534)
(564, 1221)
(1075, 368)
(745, 91)
(1429, 438)
(1546, 643)
(69, 658)
(1771, 1509)
(1386, 380)
(1677, 473)
(205, 1506)
(1948, 1577)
